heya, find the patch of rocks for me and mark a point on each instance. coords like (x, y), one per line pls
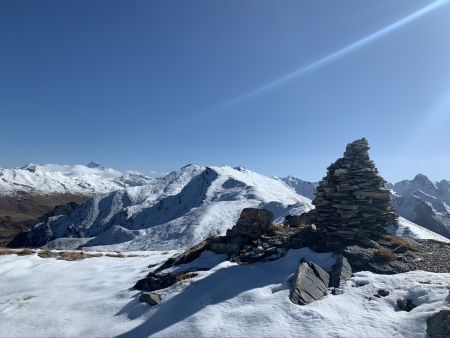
(252, 239)
(311, 283)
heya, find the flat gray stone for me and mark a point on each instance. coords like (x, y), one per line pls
(310, 284)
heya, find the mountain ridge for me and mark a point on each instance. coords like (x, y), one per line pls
(177, 210)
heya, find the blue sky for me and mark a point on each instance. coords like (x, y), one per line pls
(154, 85)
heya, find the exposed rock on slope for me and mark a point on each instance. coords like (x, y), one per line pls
(20, 212)
(178, 210)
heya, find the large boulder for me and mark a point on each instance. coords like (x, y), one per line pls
(310, 284)
(438, 325)
(252, 223)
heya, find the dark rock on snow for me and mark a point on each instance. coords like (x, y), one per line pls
(405, 304)
(438, 325)
(383, 293)
(310, 284)
(252, 223)
(150, 298)
(156, 281)
(340, 272)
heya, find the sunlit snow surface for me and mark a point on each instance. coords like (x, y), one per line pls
(409, 229)
(93, 297)
(67, 179)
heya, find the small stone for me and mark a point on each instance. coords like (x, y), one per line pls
(383, 292)
(405, 304)
(150, 298)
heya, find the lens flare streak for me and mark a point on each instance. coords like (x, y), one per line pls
(329, 58)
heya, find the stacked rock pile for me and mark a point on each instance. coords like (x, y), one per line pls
(352, 202)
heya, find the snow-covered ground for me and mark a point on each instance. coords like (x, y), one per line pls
(93, 297)
(87, 179)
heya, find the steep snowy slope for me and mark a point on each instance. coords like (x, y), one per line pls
(407, 228)
(304, 188)
(178, 210)
(424, 202)
(48, 179)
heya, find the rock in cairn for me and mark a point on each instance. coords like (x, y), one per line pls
(352, 203)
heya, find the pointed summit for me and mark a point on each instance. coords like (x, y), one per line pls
(94, 165)
(357, 149)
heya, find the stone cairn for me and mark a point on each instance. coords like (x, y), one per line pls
(352, 203)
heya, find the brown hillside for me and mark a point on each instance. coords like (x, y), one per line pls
(18, 213)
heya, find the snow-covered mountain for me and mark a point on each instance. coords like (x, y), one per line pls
(405, 228)
(304, 188)
(419, 200)
(178, 210)
(50, 179)
(424, 202)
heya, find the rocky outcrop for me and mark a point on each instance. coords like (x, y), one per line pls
(310, 284)
(252, 223)
(20, 212)
(156, 281)
(438, 325)
(352, 201)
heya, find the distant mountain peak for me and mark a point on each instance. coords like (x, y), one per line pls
(31, 167)
(94, 165)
